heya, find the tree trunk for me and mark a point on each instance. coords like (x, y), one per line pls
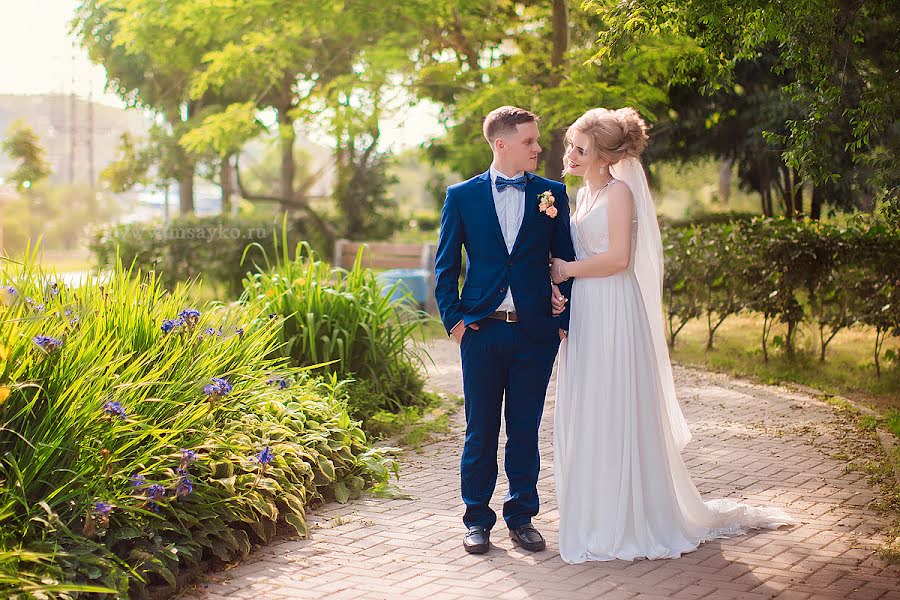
(823, 341)
(462, 45)
(866, 202)
(553, 166)
(767, 326)
(765, 198)
(348, 171)
(782, 184)
(788, 193)
(880, 335)
(227, 182)
(287, 137)
(765, 189)
(725, 181)
(815, 208)
(298, 203)
(186, 186)
(182, 114)
(791, 190)
(789, 338)
(796, 192)
(672, 334)
(355, 169)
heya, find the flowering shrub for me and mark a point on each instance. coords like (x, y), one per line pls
(134, 444)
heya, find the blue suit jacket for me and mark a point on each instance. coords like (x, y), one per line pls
(469, 219)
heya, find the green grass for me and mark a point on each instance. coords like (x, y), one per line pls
(892, 422)
(848, 370)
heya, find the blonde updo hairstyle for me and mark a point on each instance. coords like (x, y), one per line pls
(613, 134)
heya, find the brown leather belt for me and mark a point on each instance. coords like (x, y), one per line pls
(504, 315)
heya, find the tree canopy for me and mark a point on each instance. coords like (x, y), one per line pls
(840, 56)
(23, 146)
(795, 94)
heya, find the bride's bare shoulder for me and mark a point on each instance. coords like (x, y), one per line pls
(619, 191)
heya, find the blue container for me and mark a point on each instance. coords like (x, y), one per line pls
(410, 281)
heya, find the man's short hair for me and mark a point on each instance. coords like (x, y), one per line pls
(503, 121)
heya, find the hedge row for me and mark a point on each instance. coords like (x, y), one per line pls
(788, 271)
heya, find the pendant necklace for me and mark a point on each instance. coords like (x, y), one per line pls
(594, 196)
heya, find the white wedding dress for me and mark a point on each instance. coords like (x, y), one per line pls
(622, 487)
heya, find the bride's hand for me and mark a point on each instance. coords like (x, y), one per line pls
(557, 265)
(557, 301)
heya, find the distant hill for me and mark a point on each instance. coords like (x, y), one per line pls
(52, 116)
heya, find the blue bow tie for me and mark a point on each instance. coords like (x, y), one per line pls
(502, 182)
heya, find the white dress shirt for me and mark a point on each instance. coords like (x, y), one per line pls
(510, 205)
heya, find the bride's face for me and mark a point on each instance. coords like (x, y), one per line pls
(577, 159)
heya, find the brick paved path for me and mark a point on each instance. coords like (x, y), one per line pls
(763, 444)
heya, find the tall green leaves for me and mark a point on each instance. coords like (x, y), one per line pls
(344, 318)
(140, 435)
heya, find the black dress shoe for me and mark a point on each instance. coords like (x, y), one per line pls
(528, 538)
(477, 540)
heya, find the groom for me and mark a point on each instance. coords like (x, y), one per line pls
(503, 321)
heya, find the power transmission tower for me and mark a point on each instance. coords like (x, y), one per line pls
(73, 121)
(90, 133)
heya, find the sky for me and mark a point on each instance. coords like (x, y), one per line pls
(39, 56)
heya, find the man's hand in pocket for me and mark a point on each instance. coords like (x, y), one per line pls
(459, 330)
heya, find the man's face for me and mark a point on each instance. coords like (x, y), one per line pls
(520, 150)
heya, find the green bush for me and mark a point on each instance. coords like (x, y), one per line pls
(789, 271)
(344, 318)
(427, 221)
(189, 247)
(136, 442)
(60, 215)
(680, 286)
(715, 218)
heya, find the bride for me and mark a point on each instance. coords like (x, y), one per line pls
(622, 487)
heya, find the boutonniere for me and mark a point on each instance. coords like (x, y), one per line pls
(547, 204)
